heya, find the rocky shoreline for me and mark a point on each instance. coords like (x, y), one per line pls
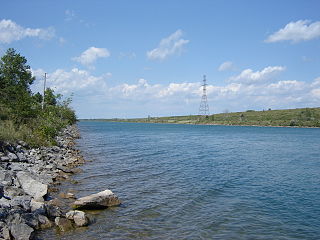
(27, 177)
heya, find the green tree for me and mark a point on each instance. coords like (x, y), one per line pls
(15, 81)
(38, 97)
(50, 98)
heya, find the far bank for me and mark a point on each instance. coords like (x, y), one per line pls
(300, 117)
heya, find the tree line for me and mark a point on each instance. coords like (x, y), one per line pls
(21, 114)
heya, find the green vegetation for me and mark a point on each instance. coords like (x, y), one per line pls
(303, 117)
(21, 113)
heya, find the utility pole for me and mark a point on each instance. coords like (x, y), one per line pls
(204, 107)
(44, 89)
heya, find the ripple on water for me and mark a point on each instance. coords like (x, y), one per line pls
(201, 182)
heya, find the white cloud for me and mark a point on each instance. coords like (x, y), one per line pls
(248, 76)
(316, 82)
(10, 31)
(140, 91)
(180, 88)
(286, 86)
(75, 80)
(316, 93)
(226, 66)
(93, 95)
(89, 56)
(168, 46)
(301, 30)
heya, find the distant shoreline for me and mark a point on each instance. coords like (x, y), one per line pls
(295, 118)
(201, 124)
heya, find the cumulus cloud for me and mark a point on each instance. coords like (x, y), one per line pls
(301, 30)
(180, 88)
(248, 76)
(75, 80)
(89, 56)
(11, 31)
(142, 90)
(168, 46)
(226, 66)
(233, 96)
(141, 97)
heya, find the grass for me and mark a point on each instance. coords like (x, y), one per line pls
(302, 117)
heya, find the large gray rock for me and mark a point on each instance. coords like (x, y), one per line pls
(102, 199)
(79, 218)
(22, 201)
(33, 187)
(21, 231)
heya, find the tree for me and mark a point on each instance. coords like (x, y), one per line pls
(50, 98)
(15, 81)
(38, 97)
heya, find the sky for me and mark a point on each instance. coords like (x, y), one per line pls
(126, 59)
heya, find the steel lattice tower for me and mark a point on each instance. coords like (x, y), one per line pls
(204, 107)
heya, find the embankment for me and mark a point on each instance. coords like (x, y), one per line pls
(27, 176)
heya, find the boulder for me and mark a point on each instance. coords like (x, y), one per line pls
(33, 187)
(21, 231)
(63, 224)
(79, 218)
(102, 199)
(22, 201)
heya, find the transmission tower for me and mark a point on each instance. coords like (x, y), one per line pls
(204, 107)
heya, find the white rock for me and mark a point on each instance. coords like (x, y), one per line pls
(79, 217)
(102, 199)
(33, 187)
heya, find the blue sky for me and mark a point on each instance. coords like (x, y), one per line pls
(139, 58)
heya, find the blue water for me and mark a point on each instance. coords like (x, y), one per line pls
(202, 182)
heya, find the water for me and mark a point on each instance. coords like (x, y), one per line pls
(201, 182)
